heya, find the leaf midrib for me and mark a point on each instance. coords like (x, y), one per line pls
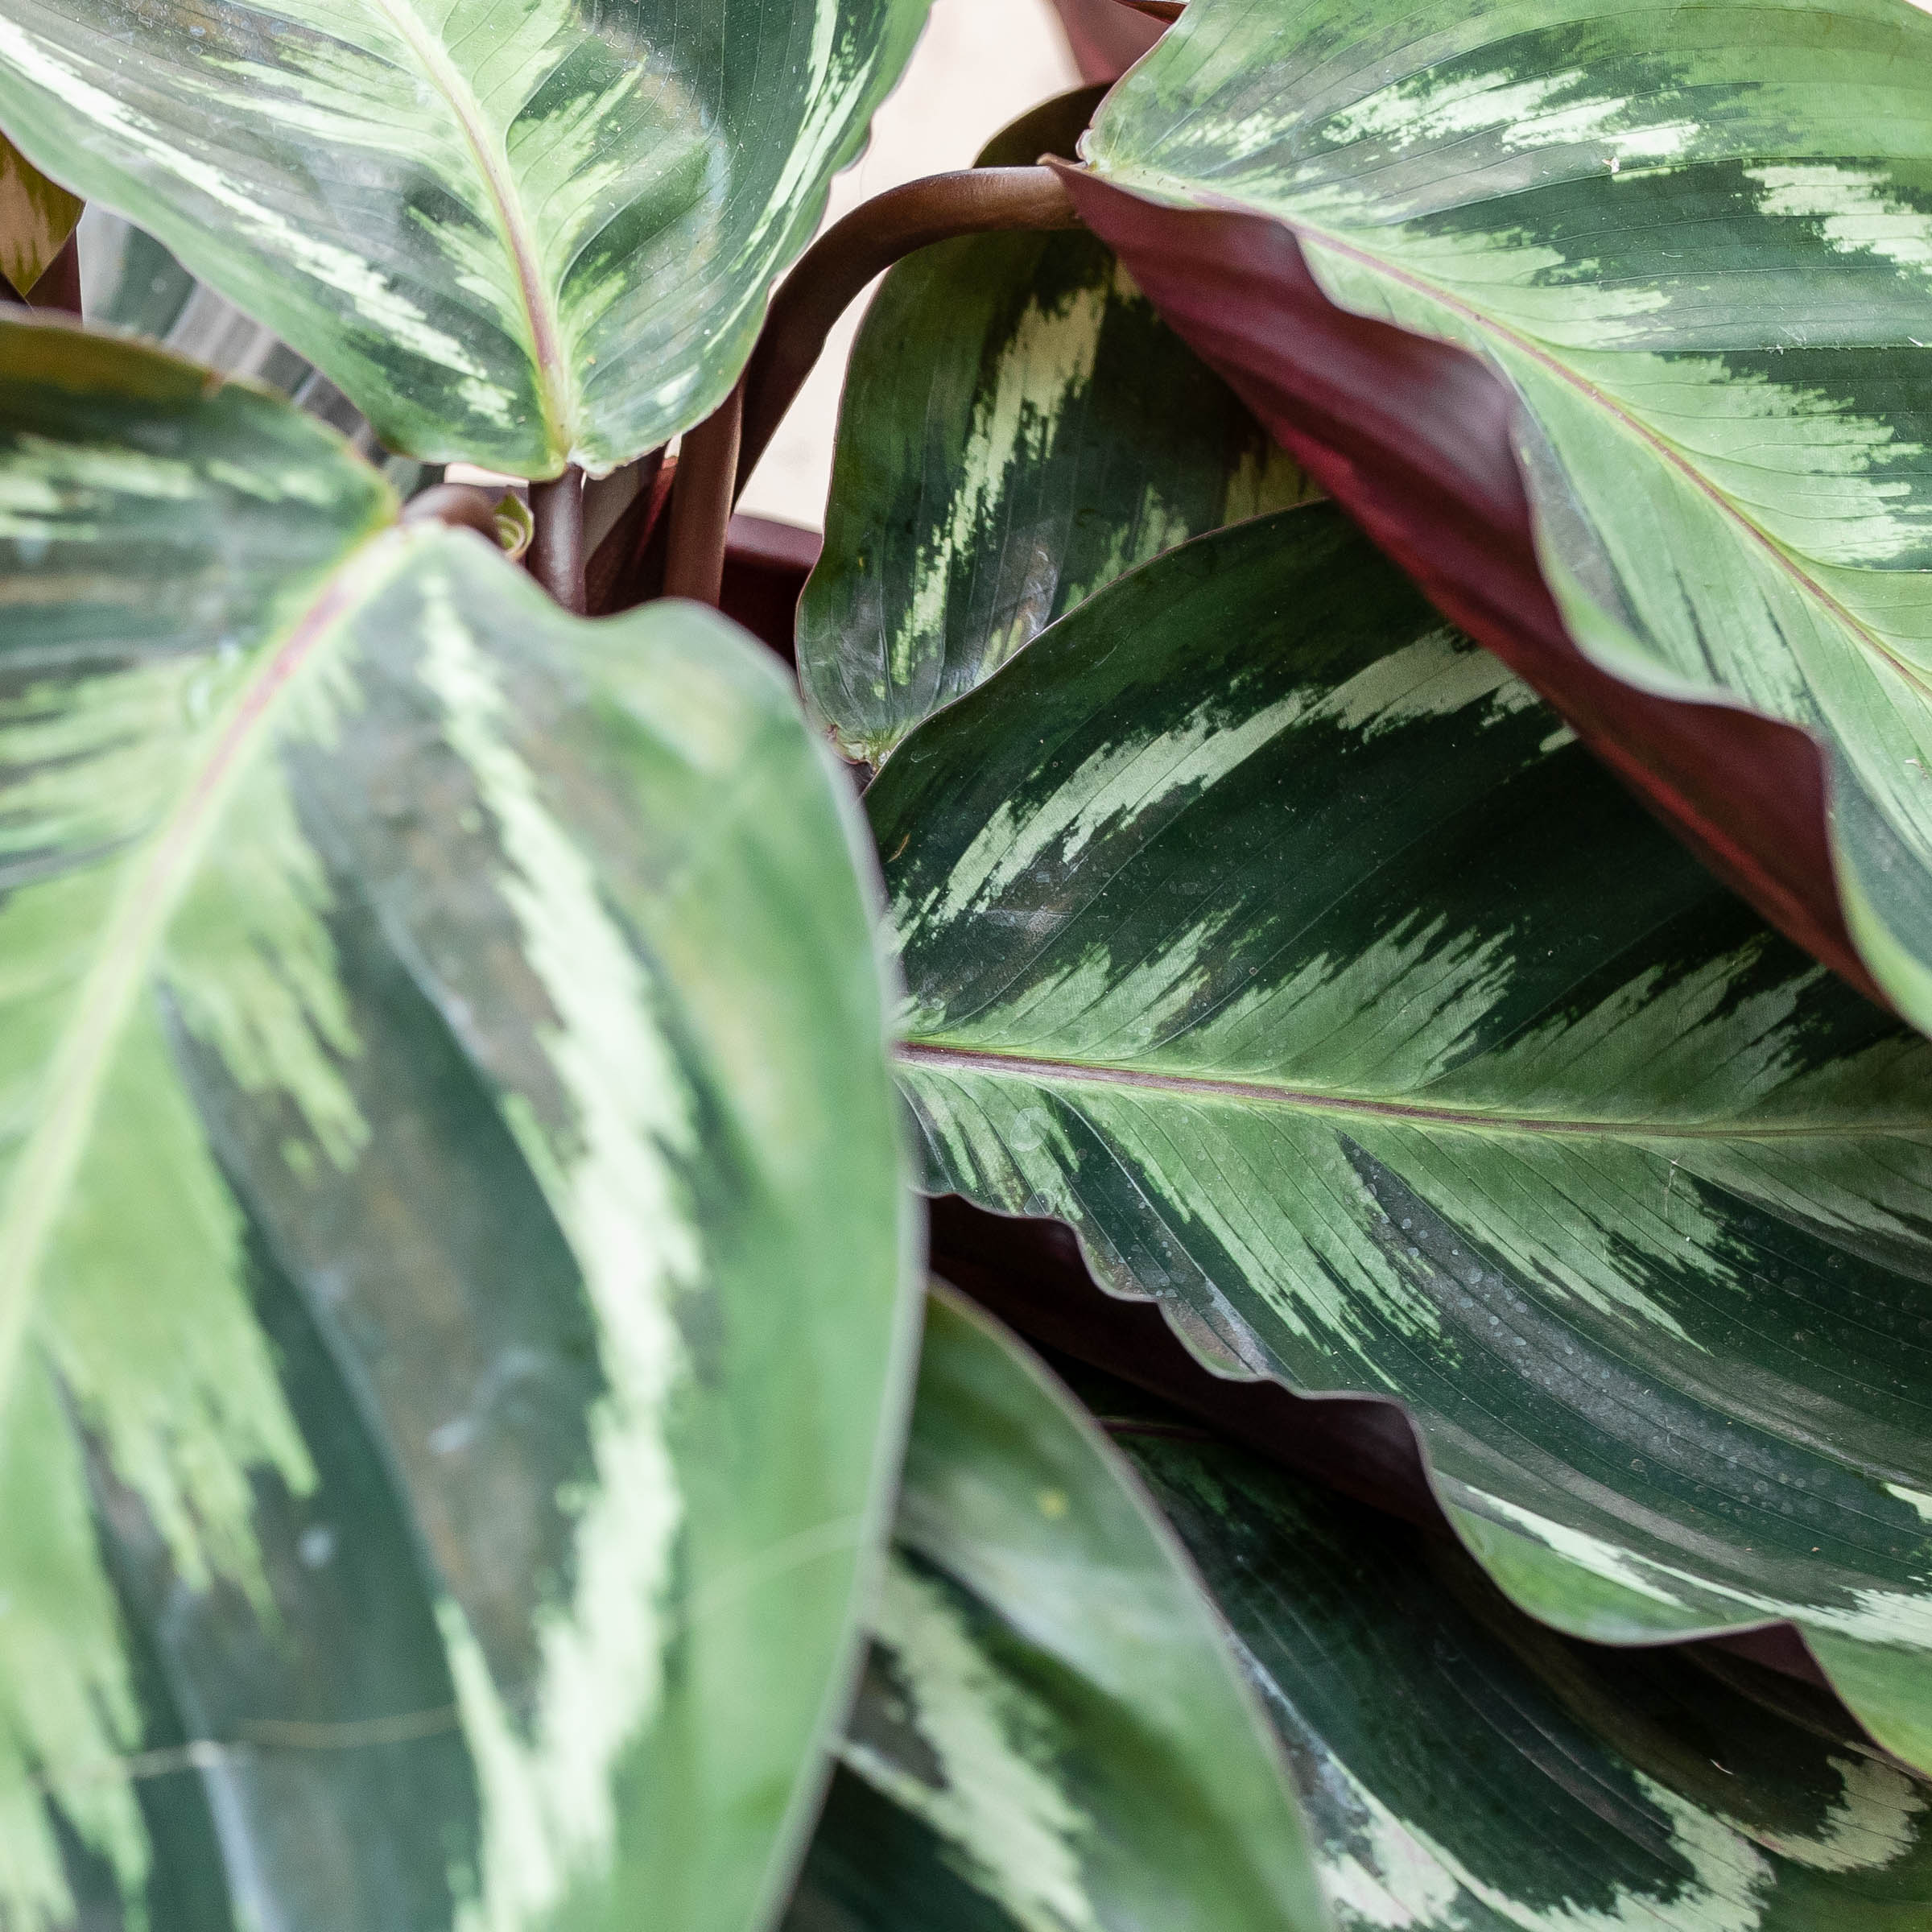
(36, 1195)
(540, 313)
(1342, 1104)
(1782, 559)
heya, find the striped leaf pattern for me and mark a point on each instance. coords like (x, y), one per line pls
(1696, 243)
(1051, 433)
(1051, 1735)
(1296, 955)
(1463, 1770)
(36, 217)
(518, 232)
(451, 1215)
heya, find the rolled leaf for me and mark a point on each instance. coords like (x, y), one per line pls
(1052, 1734)
(451, 1227)
(1018, 428)
(1295, 954)
(36, 217)
(1461, 1768)
(1689, 244)
(521, 239)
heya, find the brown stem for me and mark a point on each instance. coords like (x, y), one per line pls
(835, 270)
(462, 505)
(556, 548)
(700, 503)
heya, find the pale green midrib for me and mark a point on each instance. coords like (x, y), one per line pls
(948, 1056)
(555, 384)
(36, 1191)
(1785, 561)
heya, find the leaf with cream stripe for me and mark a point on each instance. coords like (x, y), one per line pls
(1050, 432)
(1297, 955)
(1696, 244)
(522, 232)
(1051, 1735)
(1463, 1770)
(447, 1165)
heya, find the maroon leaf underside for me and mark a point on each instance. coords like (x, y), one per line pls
(1414, 438)
(1106, 36)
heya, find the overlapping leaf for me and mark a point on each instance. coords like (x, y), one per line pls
(1050, 432)
(522, 235)
(1294, 953)
(36, 217)
(1464, 1770)
(450, 1216)
(1694, 243)
(1051, 1735)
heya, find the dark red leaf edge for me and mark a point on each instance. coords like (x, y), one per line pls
(1418, 440)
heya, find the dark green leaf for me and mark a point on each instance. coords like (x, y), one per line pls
(523, 235)
(1294, 954)
(1051, 1735)
(450, 1223)
(1464, 1770)
(1697, 242)
(1018, 428)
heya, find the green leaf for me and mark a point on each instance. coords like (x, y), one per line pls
(1295, 955)
(523, 236)
(451, 1232)
(1018, 428)
(1698, 242)
(1463, 1770)
(36, 217)
(1052, 1735)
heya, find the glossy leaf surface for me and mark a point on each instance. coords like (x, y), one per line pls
(1047, 432)
(1052, 1735)
(1692, 243)
(1296, 955)
(36, 217)
(450, 1206)
(1464, 1770)
(519, 234)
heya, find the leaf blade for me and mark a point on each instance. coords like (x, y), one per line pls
(434, 1457)
(1710, 513)
(520, 242)
(1052, 1731)
(1246, 959)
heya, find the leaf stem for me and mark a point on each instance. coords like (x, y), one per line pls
(700, 503)
(556, 548)
(836, 269)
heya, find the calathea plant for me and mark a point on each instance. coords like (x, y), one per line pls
(492, 1433)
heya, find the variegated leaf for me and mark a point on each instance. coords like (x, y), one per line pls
(135, 286)
(1463, 1770)
(523, 235)
(1698, 243)
(36, 217)
(450, 1222)
(1293, 952)
(1046, 432)
(1052, 1735)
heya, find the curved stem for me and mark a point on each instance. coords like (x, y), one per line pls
(836, 269)
(700, 503)
(461, 505)
(556, 548)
